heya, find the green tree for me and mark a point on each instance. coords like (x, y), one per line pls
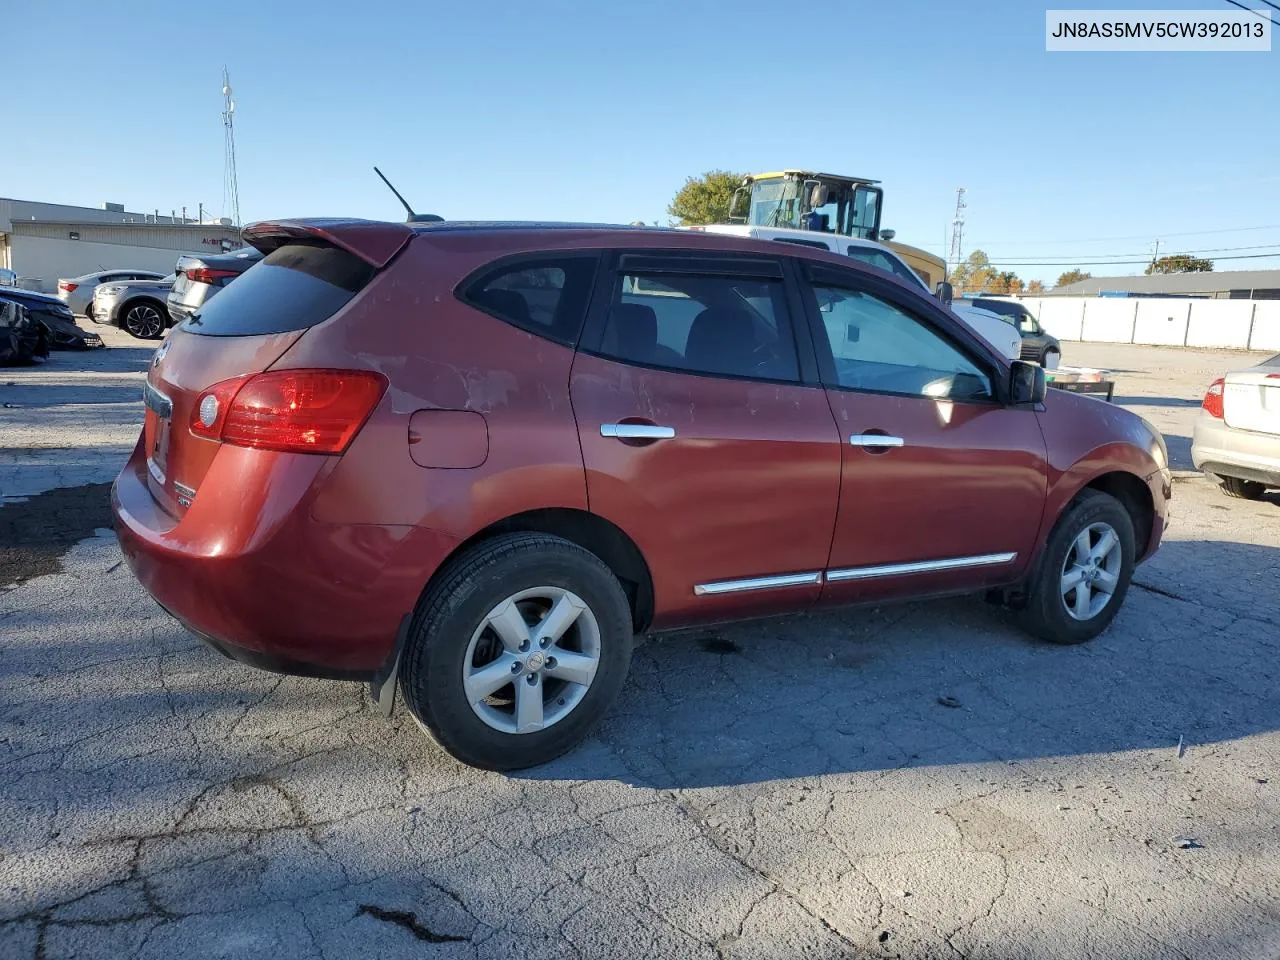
(1180, 263)
(1072, 276)
(705, 199)
(1008, 282)
(974, 275)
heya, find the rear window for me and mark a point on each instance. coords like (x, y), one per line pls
(296, 286)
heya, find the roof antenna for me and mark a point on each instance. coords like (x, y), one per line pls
(413, 217)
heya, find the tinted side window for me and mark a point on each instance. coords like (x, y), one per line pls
(728, 326)
(878, 347)
(544, 296)
(295, 287)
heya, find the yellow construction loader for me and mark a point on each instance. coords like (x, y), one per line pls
(828, 203)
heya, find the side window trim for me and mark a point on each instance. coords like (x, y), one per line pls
(957, 334)
(533, 258)
(614, 263)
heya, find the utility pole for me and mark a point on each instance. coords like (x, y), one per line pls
(1155, 257)
(957, 232)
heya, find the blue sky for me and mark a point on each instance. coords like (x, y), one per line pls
(598, 111)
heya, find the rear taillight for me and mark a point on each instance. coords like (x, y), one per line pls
(1212, 403)
(64, 287)
(295, 411)
(208, 274)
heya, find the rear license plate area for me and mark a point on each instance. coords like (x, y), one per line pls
(156, 432)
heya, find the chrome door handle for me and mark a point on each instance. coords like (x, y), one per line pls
(636, 431)
(875, 440)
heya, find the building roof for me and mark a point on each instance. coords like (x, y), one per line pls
(1176, 283)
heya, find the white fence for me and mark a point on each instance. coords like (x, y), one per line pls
(1178, 322)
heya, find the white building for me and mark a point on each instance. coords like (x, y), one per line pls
(44, 241)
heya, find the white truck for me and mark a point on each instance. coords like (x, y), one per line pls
(995, 329)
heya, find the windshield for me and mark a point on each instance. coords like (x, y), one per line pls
(850, 210)
(775, 203)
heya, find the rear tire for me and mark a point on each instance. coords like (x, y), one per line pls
(462, 628)
(144, 319)
(1080, 549)
(1243, 489)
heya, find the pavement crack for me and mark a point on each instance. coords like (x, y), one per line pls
(408, 920)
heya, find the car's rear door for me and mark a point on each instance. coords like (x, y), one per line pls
(705, 434)
(943, 484)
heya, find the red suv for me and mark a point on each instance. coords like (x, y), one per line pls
(474, 460)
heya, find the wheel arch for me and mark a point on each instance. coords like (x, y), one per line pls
(591, 532)
(1135, 496)
(1132, 493)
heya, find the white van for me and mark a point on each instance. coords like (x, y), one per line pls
(995, 329)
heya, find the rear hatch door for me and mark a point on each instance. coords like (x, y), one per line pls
(1251, 398)
(305, 278)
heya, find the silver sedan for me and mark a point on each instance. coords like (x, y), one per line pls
(1237, 435)
(77, 293)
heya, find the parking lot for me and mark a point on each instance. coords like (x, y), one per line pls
(912, 781)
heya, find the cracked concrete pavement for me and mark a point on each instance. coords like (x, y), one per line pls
(792, 787)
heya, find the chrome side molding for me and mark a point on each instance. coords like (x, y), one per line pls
(757, 583)
(923, 566)
(850, 573)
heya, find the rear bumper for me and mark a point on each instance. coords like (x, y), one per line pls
(261, 581)
(1226, 452)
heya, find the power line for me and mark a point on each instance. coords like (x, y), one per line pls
(1146, 236)
(1102, 257)
(1119, 263)
(1260, 13)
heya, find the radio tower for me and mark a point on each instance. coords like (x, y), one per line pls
(957, 232)
(230, 187)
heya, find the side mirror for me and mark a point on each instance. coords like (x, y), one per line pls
(887, 235)
(1027, 383)
(944, 293)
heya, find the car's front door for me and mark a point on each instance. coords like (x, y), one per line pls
(943, 484)
(702, 439)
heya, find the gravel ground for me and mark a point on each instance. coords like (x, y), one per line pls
(913, 781)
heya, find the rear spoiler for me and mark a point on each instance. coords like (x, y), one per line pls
(376, 242)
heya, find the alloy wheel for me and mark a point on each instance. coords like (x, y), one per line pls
(144, 321)
(531, 660)
(1091, 571)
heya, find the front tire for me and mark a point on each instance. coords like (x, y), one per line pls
(1084, 571)
(517, 651)
(144, 320)
(1050, 359)
(1243, 489)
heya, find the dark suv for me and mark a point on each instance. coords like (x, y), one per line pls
(1037, 346)
(475, 460)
